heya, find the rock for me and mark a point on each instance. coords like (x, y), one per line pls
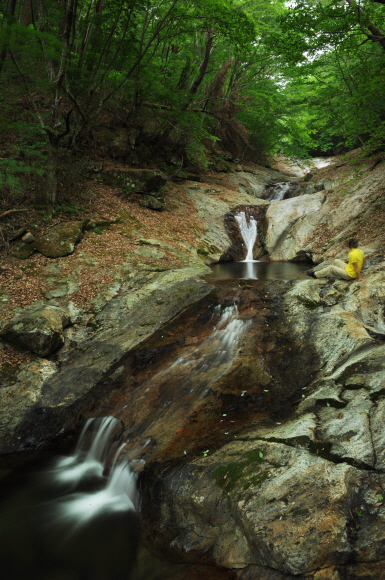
(307, 292)
(262, 573)
(17, 234)
(61, 239)
(154, 184)
(348, 429)
(151, 202)
(253, 185)
(296, 432)
(328, 391)
(289, 224)
(124, 322)
(134, 180)
(24, 251)
(19, 395)
(65, 287)
(259, 503)
(150, 253)
(28, 238)
(211, 209)
(377, 422)
(40, 331)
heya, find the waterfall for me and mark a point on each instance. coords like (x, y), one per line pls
(210, 360)
(279, 191)
(90, 460)
(249, 233)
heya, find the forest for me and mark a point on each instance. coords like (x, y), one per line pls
(249, 77)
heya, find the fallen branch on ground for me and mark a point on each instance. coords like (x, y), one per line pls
(11, 211)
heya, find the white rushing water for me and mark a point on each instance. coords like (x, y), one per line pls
(320, 162)
(212, 358)
(248, 229)
(279, 191)
(90, 460)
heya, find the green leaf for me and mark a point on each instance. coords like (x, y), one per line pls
(380, 497)
(260, 454)
(360, 514)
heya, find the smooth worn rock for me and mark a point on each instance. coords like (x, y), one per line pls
(348, 428)
(289, 224)
(260, 503)
(61, 239)
(28, 238)
(40, 331)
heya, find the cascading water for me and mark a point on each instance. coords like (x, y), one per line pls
(70, 520)
(248, 230)
(216, 353)
(279, 190)
(118, 493)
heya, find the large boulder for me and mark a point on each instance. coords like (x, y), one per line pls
(256, 502)
(61, 239)
(40, 331)
(289, 224)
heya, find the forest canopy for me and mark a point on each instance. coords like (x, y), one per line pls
(255, 77)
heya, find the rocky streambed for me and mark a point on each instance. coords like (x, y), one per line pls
(253, 410)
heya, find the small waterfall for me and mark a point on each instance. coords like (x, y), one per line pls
(249, 233)
(279, 190)
(88, 462)
(118, 490)
(199, 368)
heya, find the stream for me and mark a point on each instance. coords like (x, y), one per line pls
(75, 516)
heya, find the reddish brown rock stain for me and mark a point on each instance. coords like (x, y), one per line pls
(166, 414)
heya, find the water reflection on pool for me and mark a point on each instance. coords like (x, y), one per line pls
(258, 271)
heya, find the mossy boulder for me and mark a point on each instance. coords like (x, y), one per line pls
(23, 251)
(61, 239)
(152, 202)
(40, 331)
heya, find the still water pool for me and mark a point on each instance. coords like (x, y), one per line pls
(258, 271)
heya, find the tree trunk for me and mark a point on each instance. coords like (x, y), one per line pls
(51, 192)
(8, 17)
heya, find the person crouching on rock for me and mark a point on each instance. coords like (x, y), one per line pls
(339, 269)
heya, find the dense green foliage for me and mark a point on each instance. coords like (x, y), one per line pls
(256, 77)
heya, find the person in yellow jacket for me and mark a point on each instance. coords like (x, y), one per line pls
(339, 269)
